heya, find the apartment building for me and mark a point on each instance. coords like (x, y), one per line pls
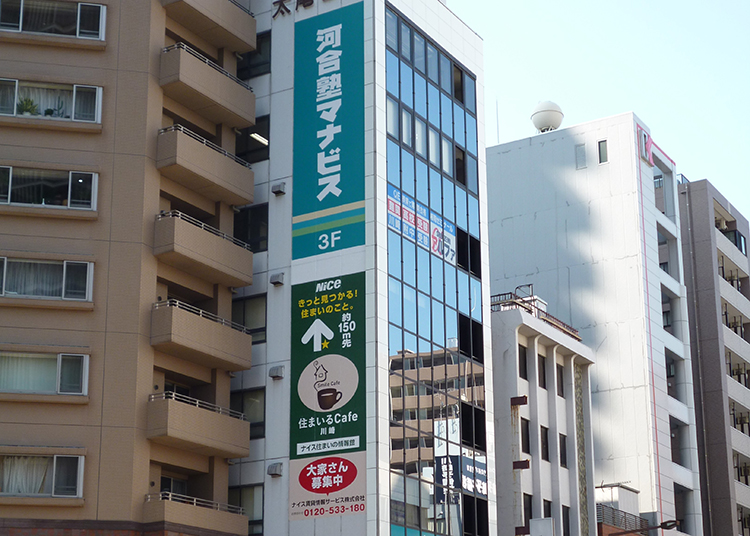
(118, 180)
(579, 210)
(370, 298)
(716, 271)
(544, 458)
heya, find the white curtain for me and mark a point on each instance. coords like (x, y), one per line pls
(33, 373)
(34, 278)
(27, 475)
(55, 97)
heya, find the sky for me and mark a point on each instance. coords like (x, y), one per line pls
(683, 67)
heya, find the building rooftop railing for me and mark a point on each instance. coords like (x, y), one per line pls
(204, 226)
(203, 314)
(171, 395)
(511, 300)
(195, 501)
(204, 141)
(623, 520)
(204, 59)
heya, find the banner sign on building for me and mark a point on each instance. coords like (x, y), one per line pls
(394, 208)
(328, 206)
(328, 419)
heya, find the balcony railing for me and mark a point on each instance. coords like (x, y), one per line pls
(203, 314)
(623, 520)
(195, 501)
(204, 141)
(204, 59)
(510, 300)
(204, 226)
(171, 395)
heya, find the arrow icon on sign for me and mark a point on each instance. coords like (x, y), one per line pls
(316, 332)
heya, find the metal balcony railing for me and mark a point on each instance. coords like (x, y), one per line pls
(204, 226)
(623, 520)
(195, 501)
(511, 300)
(171, 395)
(204, 141)
(204, 59)
(203, 314)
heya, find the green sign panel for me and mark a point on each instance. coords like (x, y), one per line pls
(328, 367)
(329, 138)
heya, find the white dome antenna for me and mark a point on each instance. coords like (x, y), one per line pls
(547, 116)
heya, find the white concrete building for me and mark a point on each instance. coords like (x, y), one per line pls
(575, 213)
(370, 225)
(542, 394)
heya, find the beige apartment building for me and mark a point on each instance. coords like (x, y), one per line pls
(118, 122)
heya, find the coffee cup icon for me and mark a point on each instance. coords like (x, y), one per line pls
(327, 398)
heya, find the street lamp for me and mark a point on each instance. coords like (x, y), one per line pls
(671, 524)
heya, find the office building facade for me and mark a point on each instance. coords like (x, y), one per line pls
(603, 246)
(716, 271)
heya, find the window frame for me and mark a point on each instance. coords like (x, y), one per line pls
(97, 113)
(525, 432)
(542, 371)
(94, 190)
(89, 281)
(544, 443)
(258, 424)
(603, 156)
(79, 477)
(253, 522)
(253, 331)
(560, 369)
(255, 243)
(262, 67)
(563, 450)
(58, 391)
(102, 22)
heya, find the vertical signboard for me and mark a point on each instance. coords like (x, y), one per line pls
(328, 209)
(328, 420)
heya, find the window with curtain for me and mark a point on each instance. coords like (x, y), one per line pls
(56, 476)
(50, 100)
(47, 187)
(250, 498)
(53, 17)
(68, 280)
(43, 373)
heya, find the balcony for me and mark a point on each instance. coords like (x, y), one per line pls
(204, 167)
(192, 246)
(618, 519)
(189, 424)
(184, 331)
(223, 23)
(194, 512)
(206, 88)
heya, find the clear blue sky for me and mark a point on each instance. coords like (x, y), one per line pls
(682, 66)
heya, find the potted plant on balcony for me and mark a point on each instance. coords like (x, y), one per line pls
(27, 106)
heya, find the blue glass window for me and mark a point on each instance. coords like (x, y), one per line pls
(476, 299)
(405, 127)
(437, 279)
(432, 63)
(405, 41)
(472, 174)
(433, 104)
(461, 218)
(436, 193)
(470, 93)
(446, 115)
(451, 328)
(420, 137)
(391, 29)
(446, 74)
(447, 157)
(449, 203)
(438, 323)
(407, 85)
(434, 146)
(391, 73)
(410, 342)
(392, 163)
(394, 340)
(394, 254)
(473, 216)
(420, 95)
(394, 301)
(471, 134)
(423, 310)
(410, 262)
(459, 127)
(450, 285)
(410, 309)
(419, 57)
(463, 292)
(391, 117)
(407, 172)
(423, 270)
(422, 183)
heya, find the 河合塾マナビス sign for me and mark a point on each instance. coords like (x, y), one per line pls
(328, 206)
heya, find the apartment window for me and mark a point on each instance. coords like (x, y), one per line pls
(67, 280)
(251, 226)
(528, 512)
(525, 436)
(580, 156)
(250, 498)
(174, 485)
(566, 520)
(563, 450)
(523, 367)
(547, 508)
(41, 476)
(61, 374)
(48, 188)
(86, 21)
(258, 61)
(602, 145)
(544, 442)
(542, 361)
(48, 100)
(251, 313)
(560, 380)
(252, 142)
(253, 404)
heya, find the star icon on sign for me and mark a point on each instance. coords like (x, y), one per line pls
(325, 344)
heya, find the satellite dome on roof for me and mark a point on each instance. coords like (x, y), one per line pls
(547, 116)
